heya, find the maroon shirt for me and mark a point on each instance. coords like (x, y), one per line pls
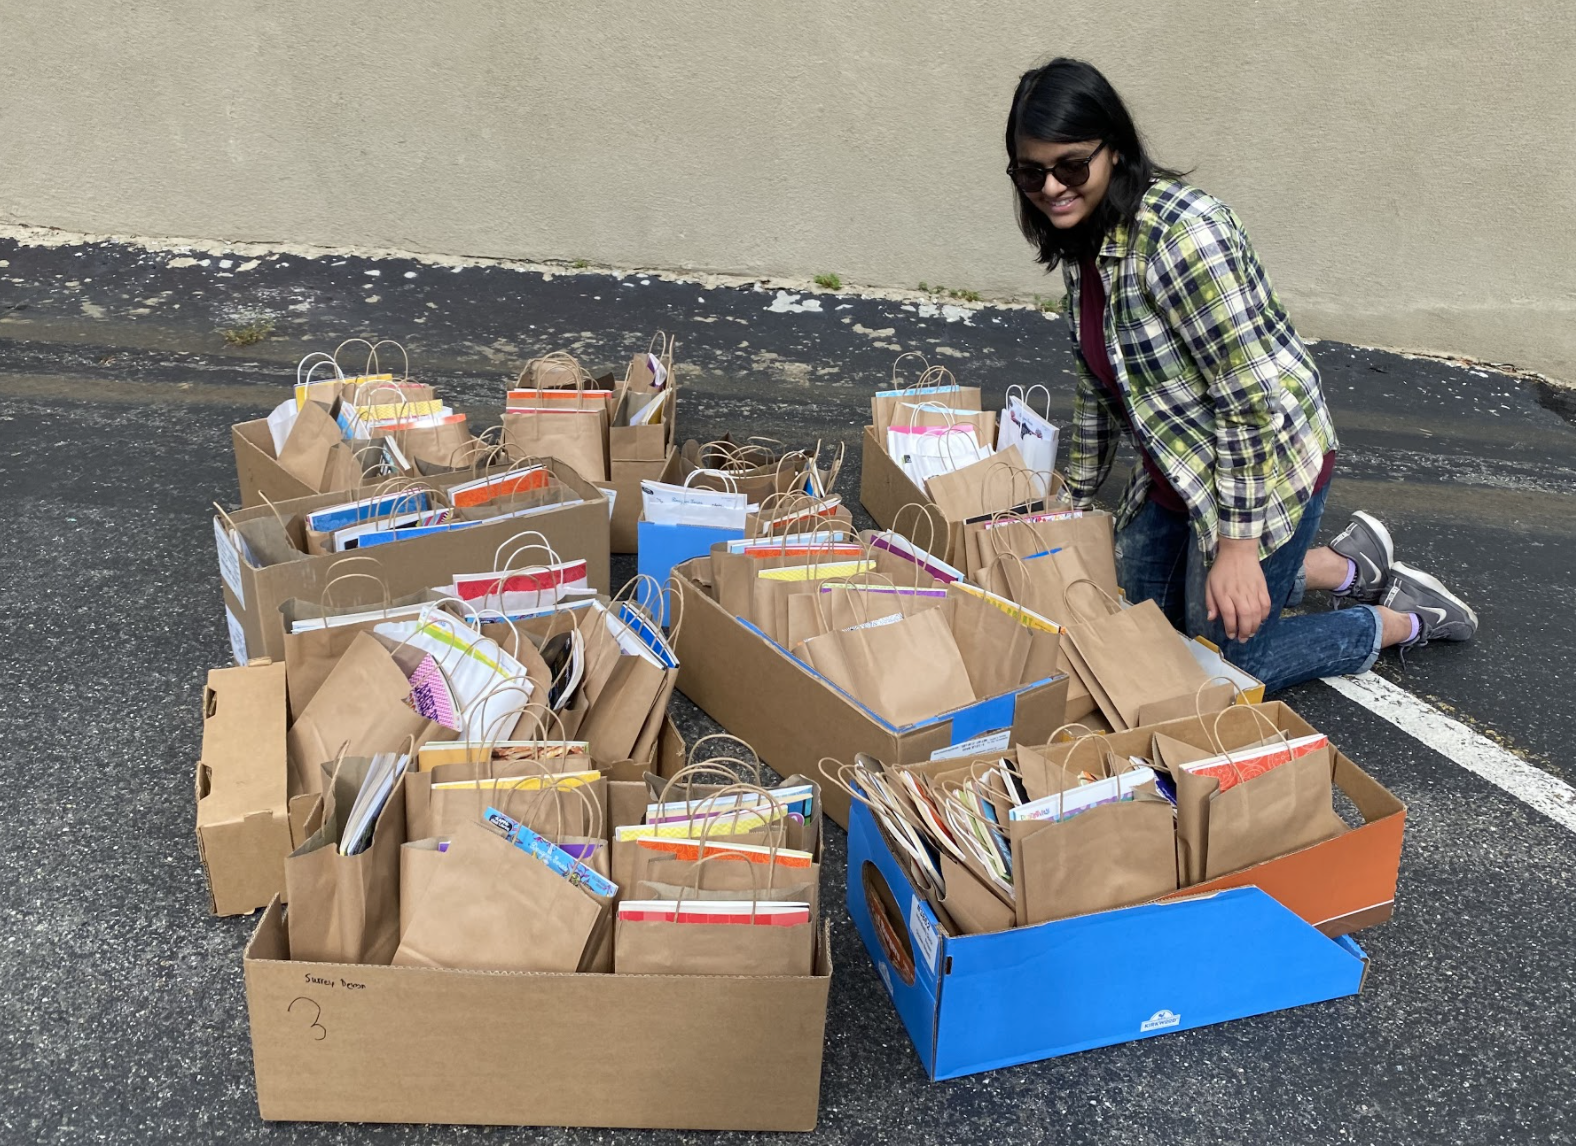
(1091, 344)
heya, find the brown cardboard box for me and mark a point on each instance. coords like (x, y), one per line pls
(246, 822)
(759, 691)
(257, 471)
(1340, 885)
(343, 1043)
(253, 598)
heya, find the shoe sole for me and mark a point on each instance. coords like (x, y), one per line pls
(1433, 585)
(1377, 528)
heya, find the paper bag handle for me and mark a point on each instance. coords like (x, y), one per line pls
(1082, 617)
(525, 536)
(739, 740)
(887, 817)
(924, 367)
(848, 583)
(923, 513)
(714, 766)
(323, 598)
(1198, 694)
(776, 828)
(596, 828)
(755, 880)
(558, 358)
(372, 356)
(1254, 711)
(317, 358)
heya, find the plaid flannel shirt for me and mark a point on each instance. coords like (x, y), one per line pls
(1224, 396)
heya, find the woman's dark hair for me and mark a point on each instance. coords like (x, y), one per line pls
(1068, 101)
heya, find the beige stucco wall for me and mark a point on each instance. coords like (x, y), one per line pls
(1408, 169)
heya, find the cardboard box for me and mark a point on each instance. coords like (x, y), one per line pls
(1341, 885)
(344, 1043)
(895, 502)
(259, 474)
(246, 821)
(252, 596)
(793, 717)
(662, 546)
(978, 1002)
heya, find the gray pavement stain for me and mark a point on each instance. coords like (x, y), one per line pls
(125, 1020)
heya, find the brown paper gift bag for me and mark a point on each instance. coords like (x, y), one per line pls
(346, 909)
(1040, 586)
(661, 948)
(1090, 535)
(625, 692)
(1109, 856)
(311, 654)
(885, 406)
(448, 446)
(575, 436)
(362, 704)
(1039, 583)
(982, 488)
(906, 671)
(999, 648)
(492, 907)
(418, 863)
(317, 453)
(573, 432)
(1136, 658)
(1283, 810)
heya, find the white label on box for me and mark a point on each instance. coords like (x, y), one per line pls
(237, 636)
(1159, 1021)
(229, 562)
(924, 933)
(977, 746)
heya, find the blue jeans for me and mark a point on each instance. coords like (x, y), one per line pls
(1159, 560)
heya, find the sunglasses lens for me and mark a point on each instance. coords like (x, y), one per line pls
(1071, 174)
(1028, 179)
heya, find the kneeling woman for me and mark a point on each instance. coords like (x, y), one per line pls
(1183, 343)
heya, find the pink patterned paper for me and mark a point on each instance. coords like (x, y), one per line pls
(431, 695)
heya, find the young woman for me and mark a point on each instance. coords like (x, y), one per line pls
(1183, 344)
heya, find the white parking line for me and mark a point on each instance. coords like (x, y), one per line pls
(1455, 741)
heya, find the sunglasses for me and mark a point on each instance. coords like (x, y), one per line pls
(1030, 177)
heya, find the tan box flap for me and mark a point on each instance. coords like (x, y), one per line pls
(243, 744)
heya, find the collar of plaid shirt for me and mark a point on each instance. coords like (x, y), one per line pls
(1224, 395)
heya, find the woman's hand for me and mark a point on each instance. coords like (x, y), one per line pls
(1235, 590)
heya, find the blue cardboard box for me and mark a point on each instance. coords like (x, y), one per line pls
(977, 1002)
(661, 547)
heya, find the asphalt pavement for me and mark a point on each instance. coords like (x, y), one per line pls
(123, 1017)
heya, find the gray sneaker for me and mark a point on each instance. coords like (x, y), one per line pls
(1442, 615)
(1365, 542)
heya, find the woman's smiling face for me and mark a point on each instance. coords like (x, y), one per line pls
(1063, 205)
